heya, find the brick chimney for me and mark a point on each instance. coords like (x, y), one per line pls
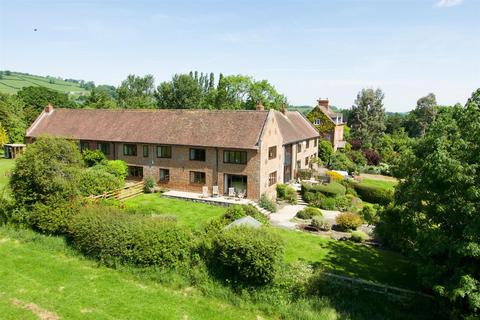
(49, 108)
(323, 102)
(283, 109)
(259, 106)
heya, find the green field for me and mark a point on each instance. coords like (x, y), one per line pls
(15, 81)
(41, 276)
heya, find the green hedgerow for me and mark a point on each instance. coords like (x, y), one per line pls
(113, 236)
(371, 194)
(266, 203)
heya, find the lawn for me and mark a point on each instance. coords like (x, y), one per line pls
(348, 258)
(384, 184)
(6, 165)
(188, 213)
(341, 257)
(42, 277)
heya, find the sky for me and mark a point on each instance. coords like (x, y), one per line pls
(306, 49)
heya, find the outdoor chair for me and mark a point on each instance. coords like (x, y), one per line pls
(231, 192)
(215, 191)
(204, 192)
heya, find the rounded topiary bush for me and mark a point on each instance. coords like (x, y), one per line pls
(348, 221)
(113, 236)
(246, 256)
(374, 194)
(359, 236)
(308, 213)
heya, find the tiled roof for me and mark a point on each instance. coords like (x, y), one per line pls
(295, 127)
(234, 129)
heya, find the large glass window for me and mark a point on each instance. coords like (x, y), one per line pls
(129, 149)
(197, 177)
(237, 157)
(197, 154)
(164, 175)
(164, 151)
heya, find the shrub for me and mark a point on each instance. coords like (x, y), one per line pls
(149, 185)
(52, 217)
(239, 211)
(374, 194)
(113, 236)
(304, 174)
(348, 221)
(118, 168)
(308, 213)
(335, 176)
(317, 222)
(281, 190)
(359, 236)
(325, 151)
(369, 214)
(96, 180)
(358, 158)
(372, 156)
(246, 256)
(266, 203)
(328, 203)
(287, 193)
(93, 157)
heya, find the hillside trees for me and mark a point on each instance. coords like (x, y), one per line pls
(182, 92)
(436, 218)
(36, 98)
(100, 99)
(422, 116)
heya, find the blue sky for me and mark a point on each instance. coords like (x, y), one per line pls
(307, 49)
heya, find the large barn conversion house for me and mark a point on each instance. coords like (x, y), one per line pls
(189, 149)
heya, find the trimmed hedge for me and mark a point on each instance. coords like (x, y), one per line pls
(113, 236)
(374, 194)
(246, 256)
(53, 217)
(332, 189)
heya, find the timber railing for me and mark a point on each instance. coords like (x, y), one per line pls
(122, 193)
(394, 292)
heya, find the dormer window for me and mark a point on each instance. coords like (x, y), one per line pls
(317, 122)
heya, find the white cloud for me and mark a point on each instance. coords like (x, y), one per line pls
(449, 3)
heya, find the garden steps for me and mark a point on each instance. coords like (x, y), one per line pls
(300, 200)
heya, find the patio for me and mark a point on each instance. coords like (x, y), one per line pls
(198, 197)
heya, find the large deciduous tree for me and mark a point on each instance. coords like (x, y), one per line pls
(182, 92)
(12, 117)
(367, 118)
(423, 115)
(437, 213)
(137, 92)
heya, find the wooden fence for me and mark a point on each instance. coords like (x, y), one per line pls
(122, 193)
(394, 292)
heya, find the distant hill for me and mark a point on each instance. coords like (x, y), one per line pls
(11, 82)
(301, 109)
